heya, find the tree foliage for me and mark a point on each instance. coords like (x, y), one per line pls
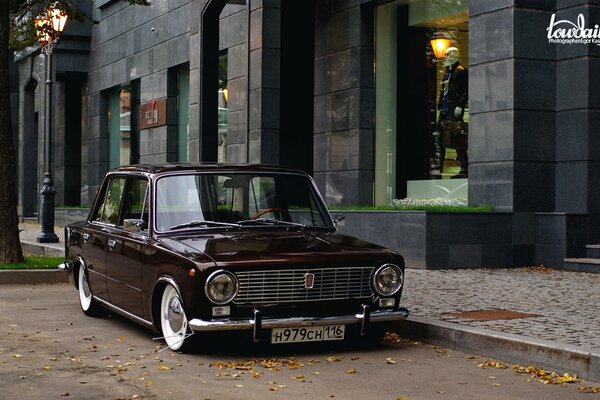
(23, 12)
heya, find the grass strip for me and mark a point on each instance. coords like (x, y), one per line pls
(35, 262)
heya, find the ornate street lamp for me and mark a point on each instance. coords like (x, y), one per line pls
(49, 27)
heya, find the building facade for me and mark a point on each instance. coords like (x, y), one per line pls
(355, 92)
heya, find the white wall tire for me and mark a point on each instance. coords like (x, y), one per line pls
(89, 305)
(173, 321)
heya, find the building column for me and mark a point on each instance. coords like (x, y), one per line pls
(511, 106)
(344, 102)
(264, 82)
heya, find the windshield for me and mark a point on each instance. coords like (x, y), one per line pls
(237, 199)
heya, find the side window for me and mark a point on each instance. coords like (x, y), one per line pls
(135, 202)
(108, 211)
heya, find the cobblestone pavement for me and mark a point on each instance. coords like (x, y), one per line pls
(568, 303)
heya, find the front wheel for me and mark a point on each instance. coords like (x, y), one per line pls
(173, 321)
(88, 304)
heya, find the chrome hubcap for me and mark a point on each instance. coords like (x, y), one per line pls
(85, 286)
(175, 314)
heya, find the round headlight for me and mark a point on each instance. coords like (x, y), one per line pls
(387, 280)
(221, 287)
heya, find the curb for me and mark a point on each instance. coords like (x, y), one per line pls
(33, 276)
(506, 347)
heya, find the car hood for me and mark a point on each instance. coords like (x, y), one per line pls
(280, 248)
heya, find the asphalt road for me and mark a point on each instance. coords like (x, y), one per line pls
(50, 350)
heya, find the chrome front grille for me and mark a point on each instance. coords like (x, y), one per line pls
(290, 285)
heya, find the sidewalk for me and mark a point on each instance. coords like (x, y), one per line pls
(558, 313)
(558, 329)
(29, 232)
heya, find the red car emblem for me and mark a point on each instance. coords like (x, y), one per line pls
(309, 280)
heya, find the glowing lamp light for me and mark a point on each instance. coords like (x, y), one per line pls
(42, 29)
(440, 41)
(59, 19)
(50, 26)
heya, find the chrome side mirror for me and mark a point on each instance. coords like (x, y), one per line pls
(337, 219)
(134, 225)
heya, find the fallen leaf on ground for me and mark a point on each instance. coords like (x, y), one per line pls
(351, 371)
(390, 360)
(589, 389)
(540, 374)
(493, 364)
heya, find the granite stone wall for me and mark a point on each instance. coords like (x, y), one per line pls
(344, 101)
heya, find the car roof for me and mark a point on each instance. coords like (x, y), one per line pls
(203, 167)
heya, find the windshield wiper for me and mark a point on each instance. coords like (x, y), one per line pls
(191, 224)
(271, 221)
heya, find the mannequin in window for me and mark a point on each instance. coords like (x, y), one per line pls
(451, 130)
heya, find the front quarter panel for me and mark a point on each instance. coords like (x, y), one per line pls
(163, 265)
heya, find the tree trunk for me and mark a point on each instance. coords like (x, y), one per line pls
(10, 245)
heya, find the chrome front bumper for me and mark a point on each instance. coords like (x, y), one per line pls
(258, 323)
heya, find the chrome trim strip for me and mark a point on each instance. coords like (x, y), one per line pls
(124, 313)
(269, 323)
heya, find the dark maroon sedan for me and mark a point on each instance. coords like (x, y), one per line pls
(187, 249)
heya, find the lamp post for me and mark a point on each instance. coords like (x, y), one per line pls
(49, 27)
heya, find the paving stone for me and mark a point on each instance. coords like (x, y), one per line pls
(565, 301)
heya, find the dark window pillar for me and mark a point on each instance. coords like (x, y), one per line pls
(72, 144)
(209, 72)
(28, 153)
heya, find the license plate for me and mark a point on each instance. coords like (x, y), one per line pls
(307, 334)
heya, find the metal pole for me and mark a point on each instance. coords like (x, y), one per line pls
(48, 192)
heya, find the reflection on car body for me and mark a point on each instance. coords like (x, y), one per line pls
(186, 249)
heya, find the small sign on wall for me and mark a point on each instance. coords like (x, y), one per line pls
(153, 114)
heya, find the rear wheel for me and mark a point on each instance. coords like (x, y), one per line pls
(173, 321)
(88, 304)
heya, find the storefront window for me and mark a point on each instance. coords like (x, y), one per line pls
(122, 125)
(222, 99)
(422, 112)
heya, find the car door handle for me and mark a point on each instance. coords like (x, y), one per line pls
(111, 244)
(86, 237)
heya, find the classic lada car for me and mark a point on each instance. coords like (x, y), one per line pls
(185, 249)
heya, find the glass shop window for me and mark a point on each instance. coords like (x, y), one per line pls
(223, 97)
(422, 108)
(123, 106)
